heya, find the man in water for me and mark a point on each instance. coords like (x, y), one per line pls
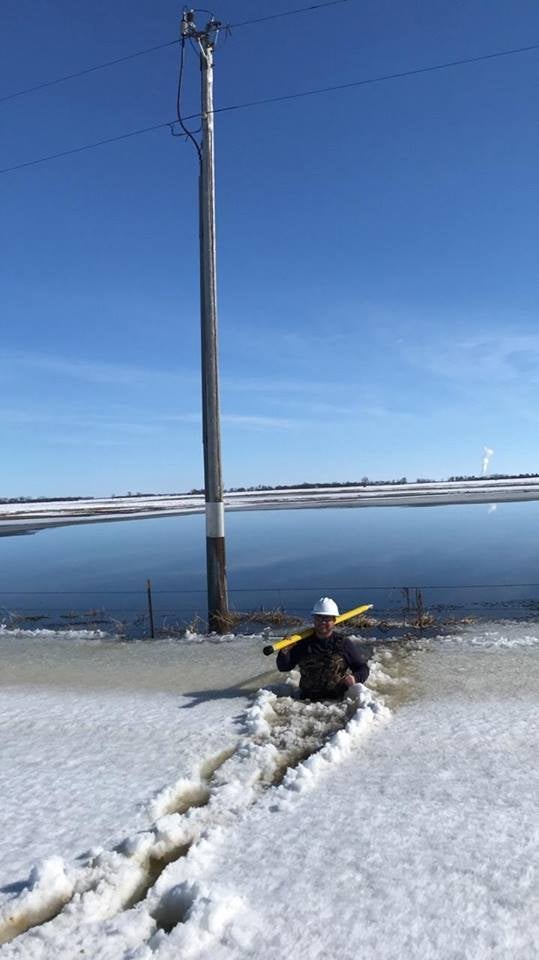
(329, 663)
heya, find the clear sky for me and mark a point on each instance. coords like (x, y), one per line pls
(377, 247)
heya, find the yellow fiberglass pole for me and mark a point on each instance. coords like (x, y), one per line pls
(295, 637)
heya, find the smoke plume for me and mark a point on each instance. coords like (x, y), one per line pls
(488, 453)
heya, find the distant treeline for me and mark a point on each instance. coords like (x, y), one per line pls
(495, 476)
(364, 482)
(114, 496)
(41, 499)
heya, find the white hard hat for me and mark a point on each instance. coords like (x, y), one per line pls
(326, 607)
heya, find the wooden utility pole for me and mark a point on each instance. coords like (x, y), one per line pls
(211, 429)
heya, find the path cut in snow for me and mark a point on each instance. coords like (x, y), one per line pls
(144, 886)
(322, 830)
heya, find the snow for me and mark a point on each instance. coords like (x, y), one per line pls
(20, 518)
(511, 633)
(142, 821)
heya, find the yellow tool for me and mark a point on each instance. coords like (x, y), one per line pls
(295, 637)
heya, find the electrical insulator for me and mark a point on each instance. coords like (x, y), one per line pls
(188, 19)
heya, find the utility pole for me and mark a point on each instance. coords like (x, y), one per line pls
(211, 429)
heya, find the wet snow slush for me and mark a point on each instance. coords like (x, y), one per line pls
(398, 824)
(146, 885)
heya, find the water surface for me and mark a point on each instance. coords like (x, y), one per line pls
(464, 559)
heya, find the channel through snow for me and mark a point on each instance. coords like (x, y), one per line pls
(322, 830)
(131, 895)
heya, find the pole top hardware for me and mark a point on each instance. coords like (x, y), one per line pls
(189, 29)
(188, 23)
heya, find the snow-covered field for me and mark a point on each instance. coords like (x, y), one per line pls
(172, 800)
(28, 517)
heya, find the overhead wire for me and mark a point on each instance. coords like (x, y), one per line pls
(287, 13)
(91, 146)
(275, 589)
(83, 73)
(160, 46)
(381, 78)
(190, 134)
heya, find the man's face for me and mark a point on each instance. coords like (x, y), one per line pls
(323, 626)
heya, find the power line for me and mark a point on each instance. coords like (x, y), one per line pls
(90, 146)
(379, 79)
(281, 99)
(159, 46)
(278, 589)
(288, 13)
(190, 134)
(82, 73)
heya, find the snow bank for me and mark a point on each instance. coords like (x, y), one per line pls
(508, 633)
(423, 844)
(150, 890)
(79, 770)
(306, 775)
(304, 829)
(66, 636)
(48, 890)
(103, 636)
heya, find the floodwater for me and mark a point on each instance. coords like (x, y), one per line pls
(81, 661)
(465, 559)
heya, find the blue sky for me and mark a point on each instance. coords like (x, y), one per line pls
(377, 248)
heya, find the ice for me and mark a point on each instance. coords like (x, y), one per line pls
(510, 633)
(229, 823)
(27, 517)
(91, 731)
(48, 890)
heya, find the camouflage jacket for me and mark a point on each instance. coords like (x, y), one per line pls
(323, 665)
